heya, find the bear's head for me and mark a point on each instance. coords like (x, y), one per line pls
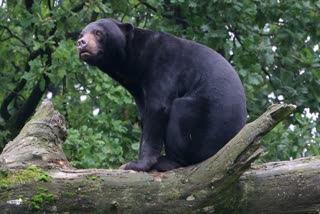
(103, 43)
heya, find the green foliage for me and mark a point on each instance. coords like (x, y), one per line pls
(112, 134)
(41, 199)
(69, 194)
(280, 145)
(32, 173)
(274, 46)
(44, 177)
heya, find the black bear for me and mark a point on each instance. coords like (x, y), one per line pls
(190, 99)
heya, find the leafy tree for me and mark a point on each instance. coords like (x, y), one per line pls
(274, 45)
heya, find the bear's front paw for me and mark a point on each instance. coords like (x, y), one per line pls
(140, 165)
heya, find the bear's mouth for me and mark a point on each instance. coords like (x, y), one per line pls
(88, 56)
(85, 53)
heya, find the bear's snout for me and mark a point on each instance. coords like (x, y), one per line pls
(82, 42)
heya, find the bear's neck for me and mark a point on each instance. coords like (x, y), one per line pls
(132, 63)
(139, 50)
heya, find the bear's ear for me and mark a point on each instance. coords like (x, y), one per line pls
(126, 28)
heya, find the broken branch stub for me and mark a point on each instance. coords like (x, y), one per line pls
(39, 142)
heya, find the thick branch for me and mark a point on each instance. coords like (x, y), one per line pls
(39, 142)
(216, 185)
(7, 100)
(282, 187)
(15, 92)
(17, 121)
(29, 4)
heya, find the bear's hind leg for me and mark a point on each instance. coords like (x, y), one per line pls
(165, 164)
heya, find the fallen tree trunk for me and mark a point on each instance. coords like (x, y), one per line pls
(224, 183)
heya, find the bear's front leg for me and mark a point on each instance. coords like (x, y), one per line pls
(153, 135)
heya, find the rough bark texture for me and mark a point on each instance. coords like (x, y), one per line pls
(39, 142)
(283, 187)
(225, 183)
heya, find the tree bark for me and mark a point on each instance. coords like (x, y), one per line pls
(225, 183)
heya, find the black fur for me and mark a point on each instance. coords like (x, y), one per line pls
(190, 99)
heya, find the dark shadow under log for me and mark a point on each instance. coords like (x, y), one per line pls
(225, 183)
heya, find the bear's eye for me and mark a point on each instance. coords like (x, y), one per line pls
(80, 36)
(98, 33)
